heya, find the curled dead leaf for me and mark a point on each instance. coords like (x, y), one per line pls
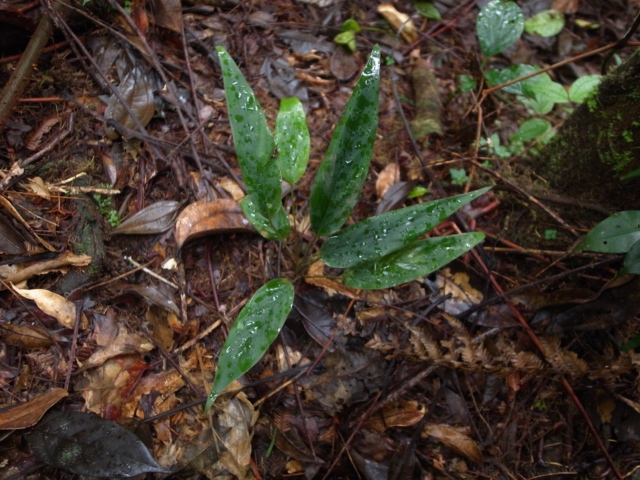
(399, 21)
(53, 304)
(208, 218)
(455, 440)
(26, 336)
(387, 178)
(62, 261)
(27, 414)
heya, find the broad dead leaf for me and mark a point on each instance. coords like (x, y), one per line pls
(55, 305)
(388, 177)
(155, 218)
(168, 14)
(565, 6)
(208, 218)
(136, 90)
(455, 440)
(27, 414)
(9, 207)
(26, 336)
(399, 20)
(37, 186)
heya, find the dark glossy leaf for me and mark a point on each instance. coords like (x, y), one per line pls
(85, 444)
(381, 235)
(632, 260)
(499, 25)
(156, 218)
(255, 329)
(252, 140)
(275, 228)
(344, 168)
(616, 234)
(414, 261)
(292, 140)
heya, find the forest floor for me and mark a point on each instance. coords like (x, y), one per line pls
(443, 377)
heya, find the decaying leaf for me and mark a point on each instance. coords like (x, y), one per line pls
(208, 218)
(10, 208)
(62, 261)
(455, 440)
(315, 276)
(26, 336)
(37, 186)
(25, 415)
(85, 444)
(55, 305)
(136, 90)
(168, 14)
(399, 21)
(395, 197)
(11, 242)
(156, 218)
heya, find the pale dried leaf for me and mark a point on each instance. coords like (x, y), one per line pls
(62, 261)
(455, 440)
(387, 178)
(55, 305)
(37, 186)
(27, 414)
(156, 218)
(124, 342)
(232, 187)
(399, 20)
(315, 276)
(208, 218)
(402, 413)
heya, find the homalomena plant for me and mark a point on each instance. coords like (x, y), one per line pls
(380, 252)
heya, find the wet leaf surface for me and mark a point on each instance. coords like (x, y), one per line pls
(341, 174)
(85, 444)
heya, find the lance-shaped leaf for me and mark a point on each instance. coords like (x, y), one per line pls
(292, 139)
(384, 234)
(275, 228)
(414, 261)
(252, 139)
(155, 218)
(616, 234)
(342, 173)
(255, 329)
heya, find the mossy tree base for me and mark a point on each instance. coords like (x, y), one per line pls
(600, 143)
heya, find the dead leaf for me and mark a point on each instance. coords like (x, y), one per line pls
(27, 414)
(155, 218)
(395, 197)
(232, 187)
(455, 440)
(55, 305)
(7, 204)
(26, 336)
(387, 178)
(315, 276)
(208, 218)
(402, 413)
(11, 242)
(37, 186)
(135, 89)
(565, 6)
(343, 65)
(59, 263)
(399, 20)
(168, 14)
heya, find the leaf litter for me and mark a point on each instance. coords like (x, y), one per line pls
(378, 367)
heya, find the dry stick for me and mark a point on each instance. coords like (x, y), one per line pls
(20, 77)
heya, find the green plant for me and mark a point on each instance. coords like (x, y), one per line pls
(107, 209)
(379, 252)
(347, 35)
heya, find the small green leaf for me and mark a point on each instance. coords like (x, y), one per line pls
(418, 191)
(530, 130)
(458, 176)
(616, 234)
(632, 260)
(252, 140)
(292, 139)
(467, 83)
(347, 38)
(498, 77)
(499, 25)
(275, 228)
(255, 329)
(550, 234)
(342, 173)
(583, 87)
(546, 24)
(414, 261)
(384, 234)
(350, 25)
(545, 90)
(427, 10)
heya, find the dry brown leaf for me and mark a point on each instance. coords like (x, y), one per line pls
(37, 186)
(315, 276)
(232, 187)
(388, 177)
(28, 414)
(455, 440)
(116, 340)
(26, 336)
(59, 263)
(137, 91)
(55, 305)
(168, 14)
(155, 218)
(402, 413)
(399, 20)
(565, 6)
(7, 205)
(208, 218)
